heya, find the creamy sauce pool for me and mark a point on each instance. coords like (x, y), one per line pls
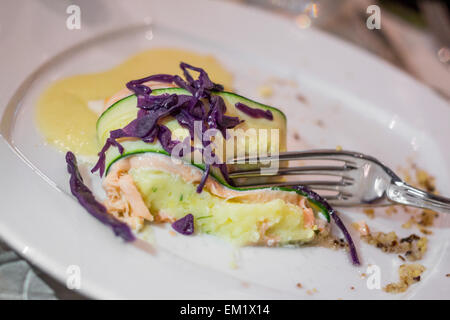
(65, 111)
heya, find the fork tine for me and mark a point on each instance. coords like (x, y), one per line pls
(326, 154)
(286, 171)
(337, 197)
(324, 185)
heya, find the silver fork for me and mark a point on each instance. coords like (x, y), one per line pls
(358, 180)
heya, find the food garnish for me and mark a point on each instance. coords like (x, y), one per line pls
(184, 225)
(87, 200)
(255, 113)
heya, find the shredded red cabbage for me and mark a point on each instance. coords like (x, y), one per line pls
(165, 137)
(100, 165)
(204, 177)
(314, 196)
(216, 118)
(254, 113)
(184, 225)
(88, 201)
(137, 85)
(186, 109)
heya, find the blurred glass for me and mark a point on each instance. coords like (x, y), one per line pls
(308, 12)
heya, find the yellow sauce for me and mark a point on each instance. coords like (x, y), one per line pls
(63, 115)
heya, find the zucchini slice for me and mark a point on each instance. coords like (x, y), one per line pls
(124, 111)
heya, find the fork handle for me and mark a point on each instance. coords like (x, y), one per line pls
(403, 193)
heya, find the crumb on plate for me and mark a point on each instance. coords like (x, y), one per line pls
(265, 91)
(413, 246)
(361, 227)
(425, 180)
(319, 123)
(369, 212)
(409, 274)
(391, 210)
(422, 220)
(301, 98)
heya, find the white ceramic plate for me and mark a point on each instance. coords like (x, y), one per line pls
(364, 103)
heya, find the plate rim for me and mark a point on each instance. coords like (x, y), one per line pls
(92, 290)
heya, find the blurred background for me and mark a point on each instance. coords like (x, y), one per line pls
(415, 34)
(415, 37)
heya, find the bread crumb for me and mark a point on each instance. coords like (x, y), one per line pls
(427, 218)
(413, 246)
(408, 224)
(172, 233)
(301, 98)
(265, 91)
(409, 274)
(425, 231)
(296, 136)
(352, 288)
(424, 219)
(361, 227)
(448, 275)
(425, 180)
(319, 123)
(369, 212)
(299, 285)
(391, 210)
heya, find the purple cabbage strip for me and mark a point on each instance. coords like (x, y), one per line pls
(184, 225)
(88, 201)
(139, 89)
(340, 224)
(203, 82)
(217, 119)
(204, 178)
(100, 165)
(254, 113)
(314, 196)
(165, 138)
(187, 120)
